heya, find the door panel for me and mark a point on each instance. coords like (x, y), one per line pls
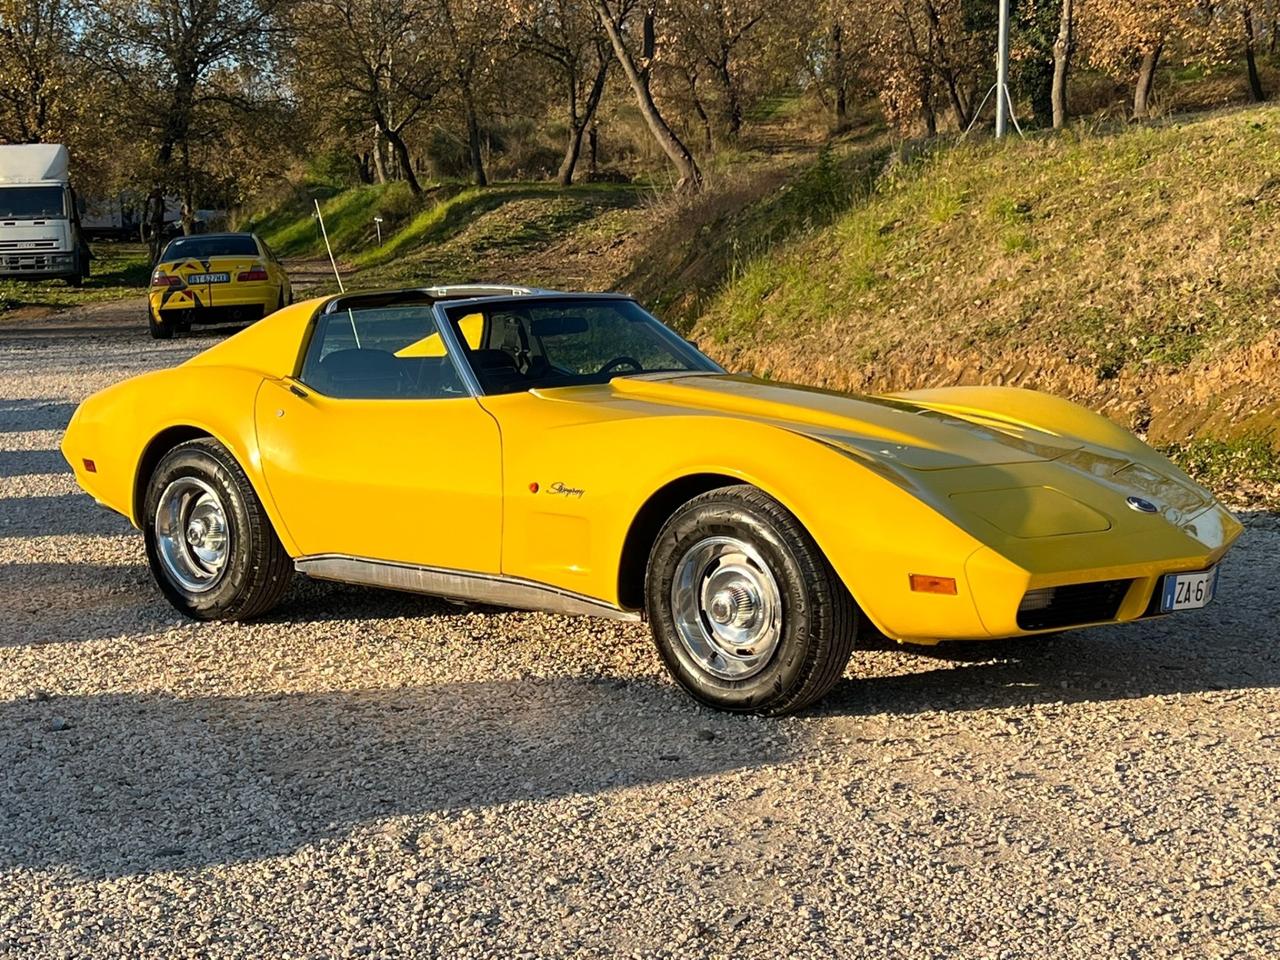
(409, 480)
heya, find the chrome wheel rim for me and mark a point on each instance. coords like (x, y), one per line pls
(193, 539)
(727, 608)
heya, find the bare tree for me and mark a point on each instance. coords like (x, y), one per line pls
(472, 29)
(568, 35)
(637, 66)
(716, 32)
(372, 65)
(1250, 52)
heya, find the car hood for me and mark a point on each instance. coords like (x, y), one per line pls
(1025, 483)
(884, 429)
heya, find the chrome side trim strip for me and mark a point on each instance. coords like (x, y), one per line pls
(458, 585)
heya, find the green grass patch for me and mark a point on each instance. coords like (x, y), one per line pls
(118, 270)
(292, 229)
(449, 216)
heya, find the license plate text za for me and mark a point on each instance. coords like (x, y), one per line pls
(1188, 591)
(209, 278)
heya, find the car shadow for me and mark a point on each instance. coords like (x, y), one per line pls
(58, 515)
(43, 603)
(20, 416)
(218, 332)
(118, 784)
(25, 463)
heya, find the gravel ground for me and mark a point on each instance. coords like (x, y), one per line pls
(370, 774)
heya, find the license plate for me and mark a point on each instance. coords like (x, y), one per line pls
(1188, 591)
(209, 278)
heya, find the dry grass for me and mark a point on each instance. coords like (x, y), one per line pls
(1138, 271)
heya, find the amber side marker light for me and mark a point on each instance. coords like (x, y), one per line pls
(90, 466)
(923, 583)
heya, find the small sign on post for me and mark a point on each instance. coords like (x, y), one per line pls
(377, 225)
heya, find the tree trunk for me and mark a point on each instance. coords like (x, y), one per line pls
(156, 241)
(1255, 81)
(838, 67)
(1146, 82)
(707, 133)
(690, 177)
(188, 209)
(927, 111)
(593, 150)
(1062, 50)
(473, 140)
(364, 168)
(379, 158)
(732, 99)
(164, 156)
(402, 159)
(938, 40)
(578, 124)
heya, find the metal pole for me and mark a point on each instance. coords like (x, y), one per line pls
(1002, 72)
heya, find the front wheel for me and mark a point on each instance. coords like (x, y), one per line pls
(746, 612)
(210, 544)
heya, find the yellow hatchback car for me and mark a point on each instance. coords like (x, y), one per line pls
(215, 278)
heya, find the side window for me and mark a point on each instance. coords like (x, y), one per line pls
(383, 353)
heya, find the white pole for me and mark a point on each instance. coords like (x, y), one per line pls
(1002, 72)
(325, 234)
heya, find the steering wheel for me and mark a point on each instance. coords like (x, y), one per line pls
(623, 360)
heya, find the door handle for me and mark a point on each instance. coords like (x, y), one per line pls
(297, 391)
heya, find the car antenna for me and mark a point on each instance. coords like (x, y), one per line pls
(325, 234)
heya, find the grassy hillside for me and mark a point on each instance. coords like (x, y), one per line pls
(1146, 247)
(452, 232)
(1137, 271)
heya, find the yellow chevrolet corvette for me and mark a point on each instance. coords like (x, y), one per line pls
(214, 278)
(569, 452)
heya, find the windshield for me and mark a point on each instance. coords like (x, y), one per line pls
(204, 247)
(31, 203)
(523, 344)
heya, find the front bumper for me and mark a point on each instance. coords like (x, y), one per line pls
(1123, 573)
(37, 266)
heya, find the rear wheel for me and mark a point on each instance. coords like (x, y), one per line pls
(159, 330)
(210, 544)
(746, 612)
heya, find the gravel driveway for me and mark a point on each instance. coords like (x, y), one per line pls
(370, 774)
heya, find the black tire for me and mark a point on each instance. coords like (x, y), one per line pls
(159, 331)
(256, 571)
(818, 617)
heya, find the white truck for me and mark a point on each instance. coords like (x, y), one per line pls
(40, 235)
